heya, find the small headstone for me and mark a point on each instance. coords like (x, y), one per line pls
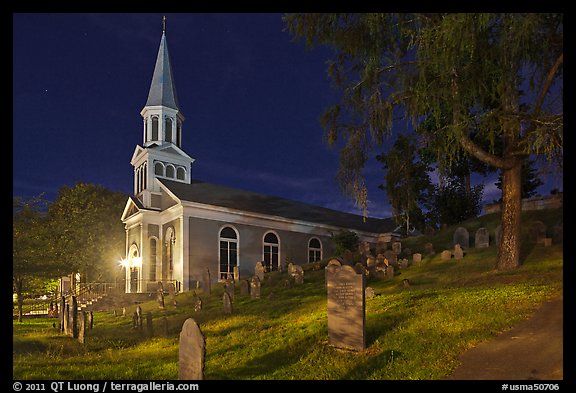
(259, 270)
(227, 300)
(369, 293)
(160, 295)
(458, 252)
(397, 247)
(135, 320)
(429, 249)
(298, 274)
(206, 284)
(269, 280)
(255, 288)
(114, 313)
(346, 308)
(244, 287)
(370, 261)
(191, 351)
(403, 263)
(82, 327)
(406, 283)
(229, 287)
(288, 282)
(390, 271)
(482, 238)
(537, 232)
(391, 256)
(446, 255)
(462, 237)
(290, 268)
(417, 257)
(149, 327)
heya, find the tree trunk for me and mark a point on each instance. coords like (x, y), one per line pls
(509, 249)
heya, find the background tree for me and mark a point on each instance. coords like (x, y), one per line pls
(453, 203)
(499, 74)
(530, 180)
(86, 229)
(344, 240)
(407, 183)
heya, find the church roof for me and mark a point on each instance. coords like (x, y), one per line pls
(233, 198)
(163, 90)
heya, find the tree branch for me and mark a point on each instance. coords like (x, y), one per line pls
(482, 155)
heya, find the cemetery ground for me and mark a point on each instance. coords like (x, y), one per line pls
(413, 332)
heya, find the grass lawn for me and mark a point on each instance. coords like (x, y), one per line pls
(412, 333)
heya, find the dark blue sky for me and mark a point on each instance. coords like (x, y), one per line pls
(252, 99)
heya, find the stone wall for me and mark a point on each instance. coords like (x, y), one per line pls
(536, 203)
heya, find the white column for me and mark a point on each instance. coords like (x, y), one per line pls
(185, 230)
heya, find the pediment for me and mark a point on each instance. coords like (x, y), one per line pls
(137, 153)
(130, 209)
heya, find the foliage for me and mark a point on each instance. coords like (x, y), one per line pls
(87, 232)
(407, 183)
(453, 204)
(345, 240)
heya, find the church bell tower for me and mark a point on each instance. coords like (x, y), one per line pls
(160, 155)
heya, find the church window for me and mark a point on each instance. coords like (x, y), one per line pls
(271, 251)
(145, 175)
(168, 129)
(152, 259)
(154, 128)
(170, 171)
(180, 173)
(228, 256)
(314, 250)
(178, 134)
(146, 136)
(159, 169)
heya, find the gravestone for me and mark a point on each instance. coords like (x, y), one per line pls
(259, 270)
(229, 287)
(191, 351)
(537, 232)
(346, 308)
(360, 269)
(370, 261)
(206, 284)
(462, 237)
(557, 233)
(417, 257)
(369, 293)
(255, 288)
(227, 300)
(334, 262)
(498, 235)
(348, 258)
(62, 313)
(429, 249)
(244, 287)
(123, 311)
(197, 303)
(482, 238)
(149, 327)
(396, 248)
(160, 295)
(446, 255)
(236, 273)
(406, 283)
(74, 315)
(171, 290)
(391, 257)
(403, 263)
(135, 320)
(82, 327)
(458, 252)
(139, 317)
(390, 271)
(288, 282)
(114, 313)
(298, 275)
(66, 329)
(290, 268)
(90, 320)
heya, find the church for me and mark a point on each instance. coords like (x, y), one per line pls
(177, 226)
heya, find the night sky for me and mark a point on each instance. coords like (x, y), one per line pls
(251, 97)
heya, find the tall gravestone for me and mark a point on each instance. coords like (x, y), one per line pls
(482, 238)
(160, 294)
(139, 317)
(259, 270)
(62, 313)
(229, 287)
(255, 288)
(206, 285)
(90, 320)
(74, 315)
(462, 237)
(82, 327)
(227, 300)
(191, 351)
(66, 324)
(397, 247)
(346, 308)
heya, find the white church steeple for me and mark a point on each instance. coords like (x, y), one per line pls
(161, 155)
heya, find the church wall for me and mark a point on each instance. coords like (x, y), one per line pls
(133, 236)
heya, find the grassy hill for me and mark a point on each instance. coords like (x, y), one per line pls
(414, 332)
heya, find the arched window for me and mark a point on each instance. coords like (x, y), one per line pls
(152, 260)
(178, 133)
(228, 244)
(154, 128)
(159, 169)
(271, 249)
(170, 171)
(145, 175)
(146, 136)
(180, 173)
(133, 271)
(168, 129)
(314, 250)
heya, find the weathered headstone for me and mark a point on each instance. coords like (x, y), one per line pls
(191, 351)
(244, 287)
(346, 308)
(370, 261)
(197, 303)
(298, 275)
(171, 290)
(403, 263)
(429, 249)
(149, 326)
(446, 255)
(462, 237)
(259, 270)
(206, 284)
(498, 235)
(255, 288)
(482, 238)
(82, 327)
(229, 287)
(417, 257)
(139, 317)
(114, 313)
(67, 323)
(290, 269)
(74, 315)
(390, 271)
(458, 252)
(160, 294)
(406, 283)
(537, 232)
(90, 320)
(62, 313)
(369, 293)
(334, 262)
(134, 320)
(391, 256)
(227, 300)
(397, 247)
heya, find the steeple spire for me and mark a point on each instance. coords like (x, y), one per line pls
(162, 90)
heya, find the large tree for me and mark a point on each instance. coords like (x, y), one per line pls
(498, 74)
